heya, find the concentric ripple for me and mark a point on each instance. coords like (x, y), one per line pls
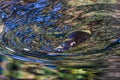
(47, 30)
(31, 27)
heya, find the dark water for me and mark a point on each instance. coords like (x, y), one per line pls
(59, 36)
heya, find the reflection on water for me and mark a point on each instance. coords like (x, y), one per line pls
(57, 40)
